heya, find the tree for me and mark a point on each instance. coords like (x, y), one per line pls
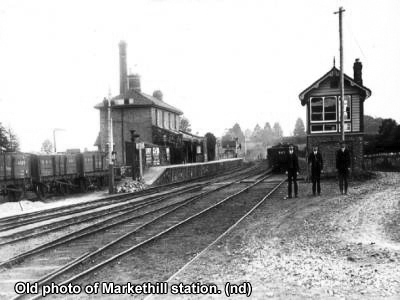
(388, 135)
(8, 140)
(211, 142)
(387, 128)
(233, 133)
(247, 133)
(257, 134)
(371, 124)
(267, 136)
(13, 141)
(185, 125)
(299, 129)
(3, 138)
(277, 131)
(47, 147)
(237, 133)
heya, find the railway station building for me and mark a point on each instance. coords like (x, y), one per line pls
(322, 102)
(156, 122)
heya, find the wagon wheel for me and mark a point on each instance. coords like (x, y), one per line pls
(61, 188)
(36, 190)
(14, 195)
(43, 191)
(99, 183)
(67, 187)
(82, 185)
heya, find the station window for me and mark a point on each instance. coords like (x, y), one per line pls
(177, 122)
(153, 116)
(166, 121)
(159, 118)
(171, 121)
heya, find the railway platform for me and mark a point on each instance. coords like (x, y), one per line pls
(176, 173)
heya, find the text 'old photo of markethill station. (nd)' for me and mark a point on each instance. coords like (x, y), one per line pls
(199, 150)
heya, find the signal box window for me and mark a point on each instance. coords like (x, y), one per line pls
(316, 109)
(330, 109)
(323, 109)
(347, 107)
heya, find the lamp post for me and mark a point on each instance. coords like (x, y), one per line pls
(245, 148)
(107, 105)
(165, 146)
(133, 137)
(54, 137)
(236, 147)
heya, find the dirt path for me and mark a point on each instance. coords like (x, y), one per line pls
(328, 247)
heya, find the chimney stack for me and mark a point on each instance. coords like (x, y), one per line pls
(158, 95)
(123, 80)
(357, 68)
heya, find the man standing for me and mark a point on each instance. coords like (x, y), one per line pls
(292, 171)
(343, 166)
(316, 162)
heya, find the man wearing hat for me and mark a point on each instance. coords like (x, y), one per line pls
(316, 162)
(343, 166)
(292, 171)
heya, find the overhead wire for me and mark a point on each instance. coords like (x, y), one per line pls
(348, 27)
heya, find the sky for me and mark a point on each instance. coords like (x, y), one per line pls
(221, 62)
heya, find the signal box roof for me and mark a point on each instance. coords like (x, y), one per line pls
(334, 72)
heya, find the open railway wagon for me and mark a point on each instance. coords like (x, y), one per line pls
(46, 174)
(54, 173)
(92, 170)
(15, 177)
(63, 173)
(277, 156)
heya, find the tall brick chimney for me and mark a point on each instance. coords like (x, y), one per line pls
(123, 79)
(357, 68)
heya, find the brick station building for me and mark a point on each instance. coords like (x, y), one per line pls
(156, 121)
(322, 101)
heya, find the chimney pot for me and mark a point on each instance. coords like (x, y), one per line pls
(134, 82)
(357, 68)
(158, 94)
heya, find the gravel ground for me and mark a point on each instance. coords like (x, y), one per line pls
(327, 247)
(27, 206)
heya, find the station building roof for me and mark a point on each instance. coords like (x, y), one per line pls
(135, 98)
(187, 136)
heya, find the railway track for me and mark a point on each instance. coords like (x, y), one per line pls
(77, 218)
(24, 243)
(146, 231)
(115, 231)
(11, 222)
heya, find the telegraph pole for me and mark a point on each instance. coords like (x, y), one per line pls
(110, 148)
(341, 10)
(54, 137)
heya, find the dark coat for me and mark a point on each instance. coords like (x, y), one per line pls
(292, 162)
(316, 162)
(342, 160)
